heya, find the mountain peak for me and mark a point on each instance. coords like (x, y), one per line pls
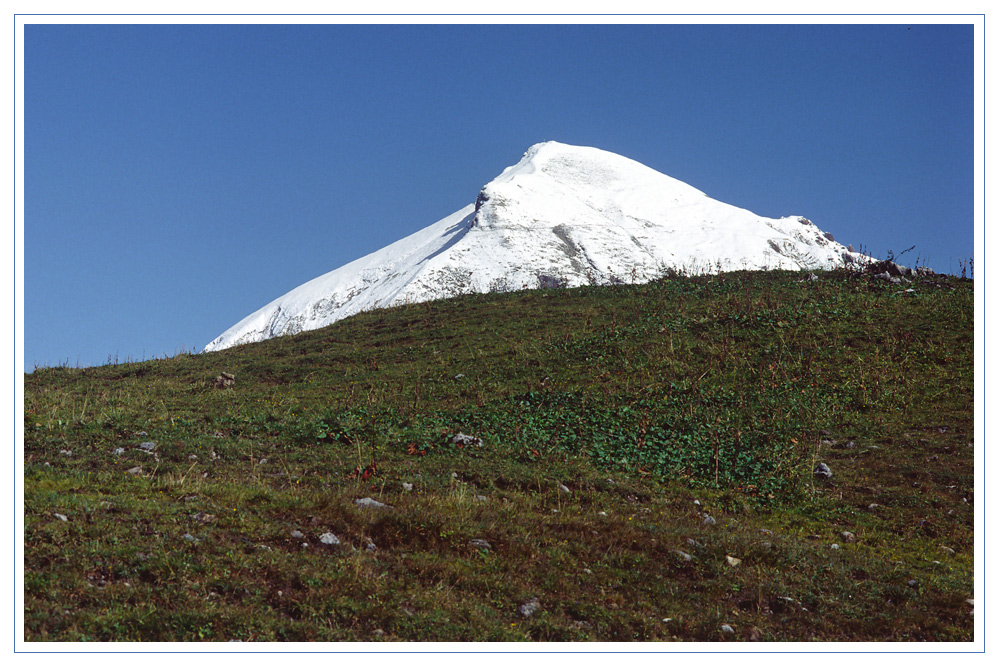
(578, 214)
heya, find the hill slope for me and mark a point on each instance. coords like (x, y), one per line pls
(563, 214)
(639, 467)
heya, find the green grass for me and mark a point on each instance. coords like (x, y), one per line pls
(640, 400)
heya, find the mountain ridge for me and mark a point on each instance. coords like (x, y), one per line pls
(563, 214)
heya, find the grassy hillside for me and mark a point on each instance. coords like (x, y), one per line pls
(640, 467)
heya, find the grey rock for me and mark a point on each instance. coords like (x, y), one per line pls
(369, 502)
(683, 555)
(847, 536)
(822, 471)
(834, 546)
(329, 539)
(60, 516)
(564, 488)
(370, 547)
(135, 470)
(297, 535)
(480, 544)
(148, 446)
(708, 521)
(118, 451)
(465, 439)
(529, 607)
(188, 537)
(407, 486)
(850, 248)
(726, 628)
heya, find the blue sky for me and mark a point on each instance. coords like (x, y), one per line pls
(178, 178)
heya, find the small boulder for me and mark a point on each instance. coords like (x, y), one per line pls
(369, 502)
(529, 607)
(224, 381)
(464, 440)
(822, 471)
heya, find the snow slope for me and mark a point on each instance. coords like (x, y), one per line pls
(563, 213)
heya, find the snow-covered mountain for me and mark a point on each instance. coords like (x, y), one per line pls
(566, 215)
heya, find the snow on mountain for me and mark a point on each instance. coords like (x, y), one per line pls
(563, 214)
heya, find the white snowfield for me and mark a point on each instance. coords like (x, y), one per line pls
(564, 214)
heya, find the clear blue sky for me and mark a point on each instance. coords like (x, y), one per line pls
(178, 178)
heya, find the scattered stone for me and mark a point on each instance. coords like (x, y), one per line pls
(407, 486)
(564, 488)
(480, 544)
(297, 535)
(726, 628)
(602, 514)
(947, 550)
(834, 546)
(135, 470)
(849, 445)
(697, 502)
(224, 381)
(329, 539)
(461, 375)
(667, 619)
(755, 635)
(811, 277)
(693, 543)
(709, 520)
(872, 506)
(848, 536)
(148, 446)
(465, 439)
(118, 451)
(203, 517)
(529, 607)
(683, 555)
(192, 458)
(60, 516)
(480, 497)
(369, 502)
(188, 537)
(733, 561)
(370, 547)
(68, 453)
(378, 633)
(767, 532)
(822, 471)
